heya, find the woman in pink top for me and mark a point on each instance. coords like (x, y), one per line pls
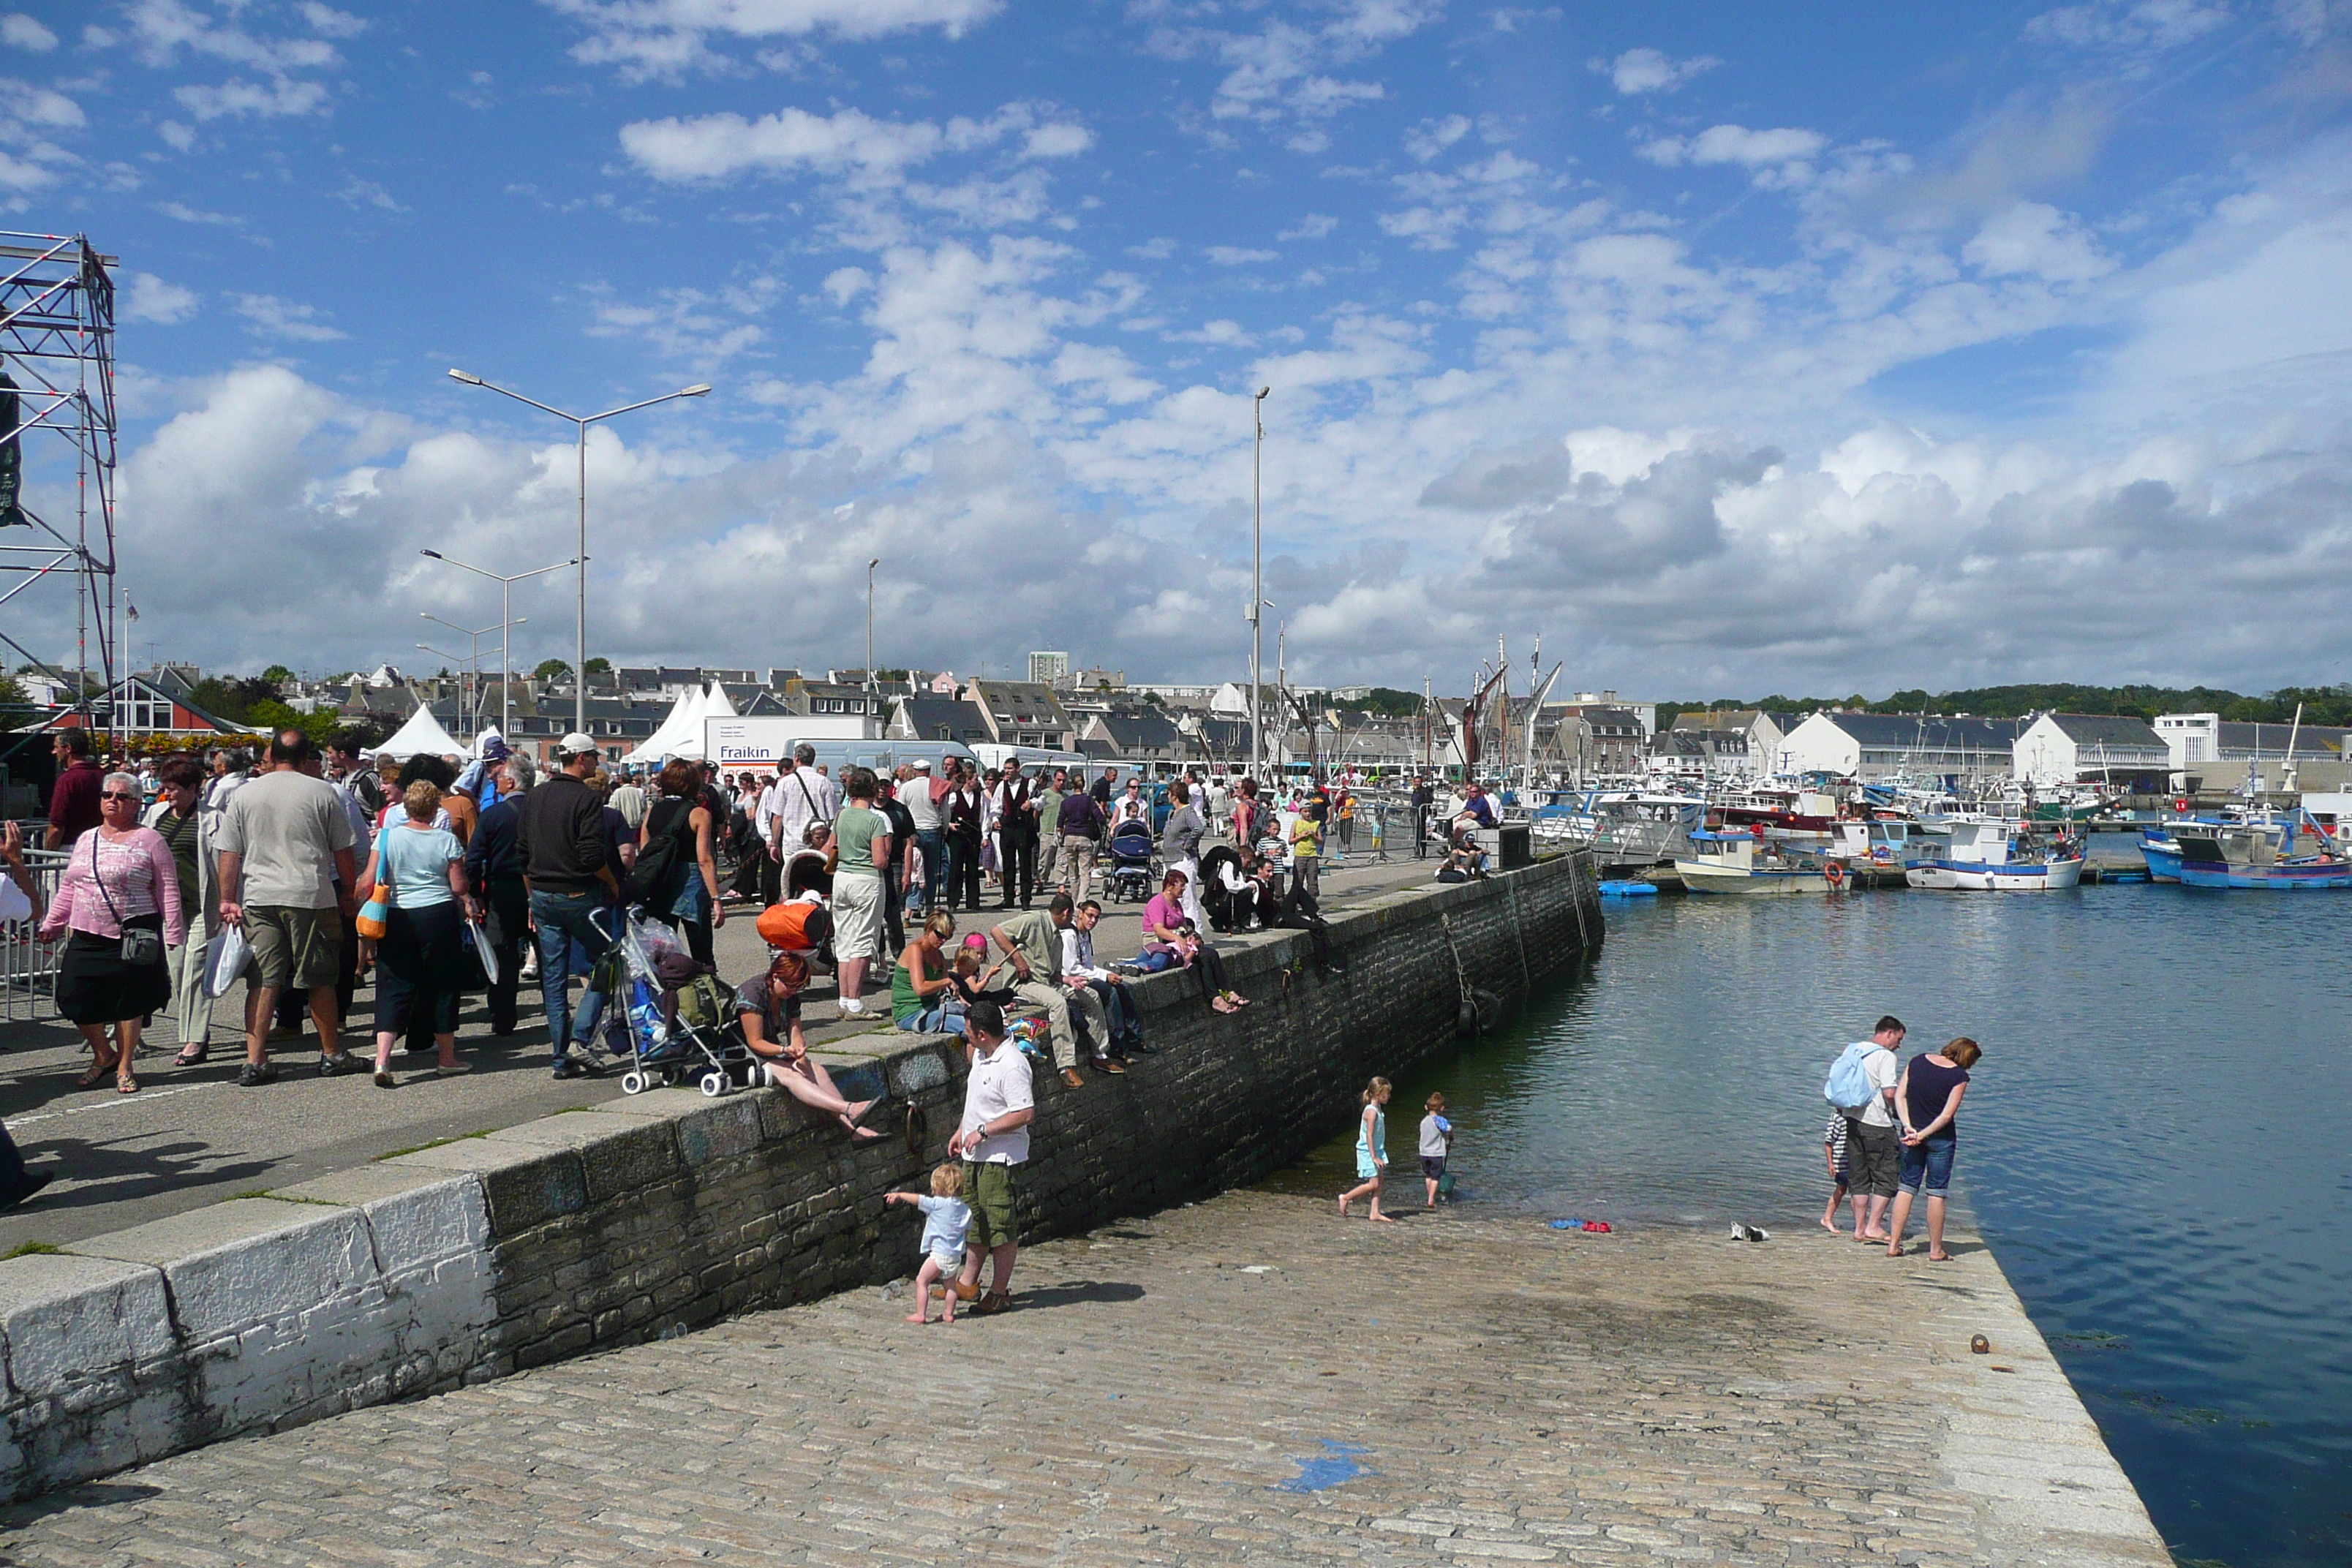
(1166, 929)
(118, 878)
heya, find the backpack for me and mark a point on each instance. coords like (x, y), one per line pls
(704, 1004)
(795, 927)
(1848, 1088)
(662, 854)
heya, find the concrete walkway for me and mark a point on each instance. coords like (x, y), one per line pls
(1248, 1380)
(190, 1137)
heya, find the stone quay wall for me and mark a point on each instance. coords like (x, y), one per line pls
(653, 1214)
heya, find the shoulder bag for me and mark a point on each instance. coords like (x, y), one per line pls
(140, 946)
(374, 916)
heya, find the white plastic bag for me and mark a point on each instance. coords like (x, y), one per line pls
(225, 960)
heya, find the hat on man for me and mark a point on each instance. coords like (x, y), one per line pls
(576, 744)
(922, 764)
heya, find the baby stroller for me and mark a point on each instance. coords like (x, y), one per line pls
(1130, 847)
(668, 1015)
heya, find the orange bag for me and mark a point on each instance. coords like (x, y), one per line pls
(798, 927)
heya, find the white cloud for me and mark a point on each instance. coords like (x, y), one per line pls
(1158, 250)
(2128, 24)
(1650, 70)
(1284, 71)
(667, 37)
(848, 141)
(1431, 137)
(327, 22)
(1735, 144)
(1312, 226)
(284, 319)
(19, 31)
(240, 99)
(186, 214)
(2034, 239)
(152, 300)
(1236, 256)
(162, 29)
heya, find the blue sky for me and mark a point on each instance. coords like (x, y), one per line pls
(1729, 348)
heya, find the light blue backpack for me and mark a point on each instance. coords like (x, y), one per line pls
(1848, 1088)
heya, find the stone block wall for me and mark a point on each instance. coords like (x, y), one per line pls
(664, 1211)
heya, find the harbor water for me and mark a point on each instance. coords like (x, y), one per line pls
(2150, 1144)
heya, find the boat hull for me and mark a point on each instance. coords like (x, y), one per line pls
(1701, 878)
(2282, 877)
(1961, 876)
(2163, 861)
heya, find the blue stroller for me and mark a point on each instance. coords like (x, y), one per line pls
(667, 1017)
(1130, 847)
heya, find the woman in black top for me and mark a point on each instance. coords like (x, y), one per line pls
(1927, 1100)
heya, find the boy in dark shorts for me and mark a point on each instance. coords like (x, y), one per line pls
(1436, 1143)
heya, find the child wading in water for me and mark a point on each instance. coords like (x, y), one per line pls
(1436, 1146)
(1372, 1151)
(946, 1217)
(1834, 1150)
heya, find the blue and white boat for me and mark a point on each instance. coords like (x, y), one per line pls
(1743, 863)
(2000, 858)
(2247, 860)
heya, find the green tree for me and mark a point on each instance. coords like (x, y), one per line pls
(599, 665)
(277, 674)
(553, 670)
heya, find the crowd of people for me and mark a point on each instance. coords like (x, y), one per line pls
(306, 869)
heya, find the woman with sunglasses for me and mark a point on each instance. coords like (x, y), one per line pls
(119, 897)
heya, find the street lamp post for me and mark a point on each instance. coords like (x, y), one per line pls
(506, 618)
(455, 659)
(872, 682)
(1257, 577)
(473, 660)
(581, 422)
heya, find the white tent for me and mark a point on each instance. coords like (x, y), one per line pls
(680, 734)
(719, 706)
(423, 735)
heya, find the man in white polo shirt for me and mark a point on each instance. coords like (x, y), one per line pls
(993, 1141)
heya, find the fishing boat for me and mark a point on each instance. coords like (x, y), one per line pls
(1624, 827)
(2000, 856)
(1743, 863)
(2159, 846)
(2247, 858)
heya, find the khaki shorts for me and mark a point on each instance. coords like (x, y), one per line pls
(856, 917)
(990, 1188)
(294, 948)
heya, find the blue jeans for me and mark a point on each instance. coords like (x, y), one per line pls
(932, 845)
(1930, 1162)
(570, 943)
(945, 1018)
(1118, 1006)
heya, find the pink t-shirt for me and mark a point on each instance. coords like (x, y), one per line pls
(1161, 912)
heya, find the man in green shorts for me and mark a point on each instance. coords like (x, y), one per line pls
(993, 1141)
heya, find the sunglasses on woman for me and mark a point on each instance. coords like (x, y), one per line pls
(116, 794)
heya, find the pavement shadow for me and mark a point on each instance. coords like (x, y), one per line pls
(91, 1494)
(106, 1172)
(1080, 1292)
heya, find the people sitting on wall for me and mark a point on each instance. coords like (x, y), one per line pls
(768, 1007)
(1467, 860)
(1172, 939)
(1233, 898)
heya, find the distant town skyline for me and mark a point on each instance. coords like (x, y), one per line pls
(1727, 350)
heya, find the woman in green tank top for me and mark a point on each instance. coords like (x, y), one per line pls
(922, 997)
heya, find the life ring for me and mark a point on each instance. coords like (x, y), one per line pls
(1834, 872)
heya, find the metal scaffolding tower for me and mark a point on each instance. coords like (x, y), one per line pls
(57, 381)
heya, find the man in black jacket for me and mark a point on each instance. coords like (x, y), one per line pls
(559, 843)
(494, 870)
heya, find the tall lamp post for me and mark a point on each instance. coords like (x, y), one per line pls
(506, 596)
(1257, 578)
(474, 659)
(581, 422)
(872, 682)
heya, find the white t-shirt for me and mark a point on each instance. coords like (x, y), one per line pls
(915, 794)
(999, 1083)
(797, 799)
(1883, 1069)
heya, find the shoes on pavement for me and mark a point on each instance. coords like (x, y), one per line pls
(255, 1073)
(568, 1068)
(1108, 1064)
(453, 1070)
(1070, 1076)
(335, 1062)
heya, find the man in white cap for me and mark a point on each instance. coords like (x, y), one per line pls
(560, 842)
(923, 809)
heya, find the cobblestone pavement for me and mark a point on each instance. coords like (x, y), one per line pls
(1251, 1379)
(192, 1137)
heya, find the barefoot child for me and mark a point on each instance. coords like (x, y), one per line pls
(1436, 1146)
(1372, 1151)
(945, 1219)
(1834, 1150)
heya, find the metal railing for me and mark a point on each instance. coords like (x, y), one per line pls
(28, 967)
